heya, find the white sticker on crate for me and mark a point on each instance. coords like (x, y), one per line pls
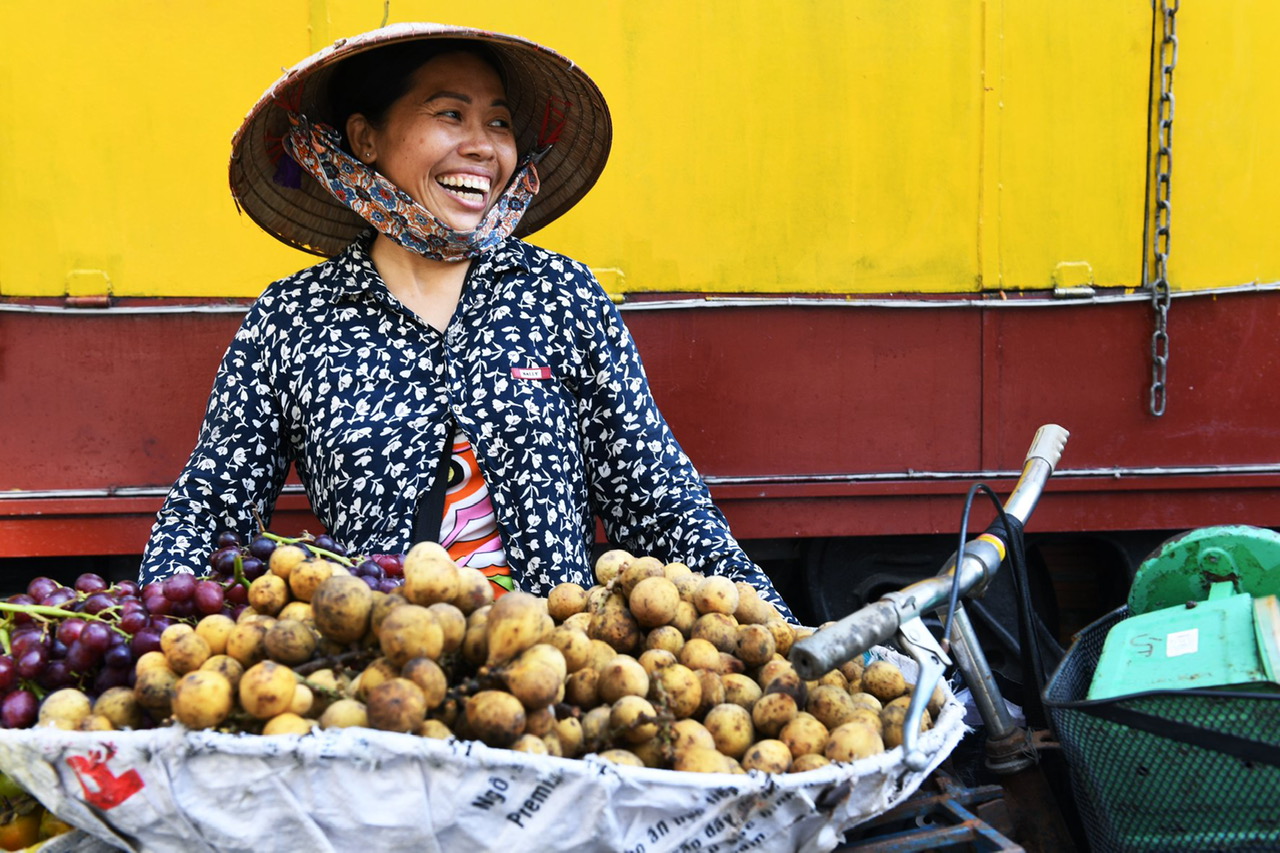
(1182, 643)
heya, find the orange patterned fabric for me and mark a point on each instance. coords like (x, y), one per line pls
(395, 213)
(469, 529)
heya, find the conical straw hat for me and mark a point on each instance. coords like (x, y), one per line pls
(541, 86)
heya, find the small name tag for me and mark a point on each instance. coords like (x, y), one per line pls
(531, 372)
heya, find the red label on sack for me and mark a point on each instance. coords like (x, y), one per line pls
(102, 788)
(531, 372)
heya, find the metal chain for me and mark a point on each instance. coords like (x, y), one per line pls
(1160, 294)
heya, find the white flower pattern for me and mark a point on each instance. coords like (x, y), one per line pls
(331, 373)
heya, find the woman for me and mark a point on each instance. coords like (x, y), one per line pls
(437, 378)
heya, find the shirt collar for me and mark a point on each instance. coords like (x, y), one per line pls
(351, 273)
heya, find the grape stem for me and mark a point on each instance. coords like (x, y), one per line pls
(320, 689)
(328, 555)
(41, 611)
(331, 661)
(239, 572)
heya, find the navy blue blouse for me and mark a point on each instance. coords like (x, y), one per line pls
(332, 373)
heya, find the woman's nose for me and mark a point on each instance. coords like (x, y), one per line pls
(476, 142)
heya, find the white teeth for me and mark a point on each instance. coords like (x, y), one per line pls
(467, 182)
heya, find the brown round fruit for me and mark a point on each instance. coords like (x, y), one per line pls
(853, 741)
(767, 756)
(410, 631)
(716, 594)
(566, 599)
(804, 735)
(495, 717)
(731, 727)
(341, 607)
(269, 594)
(678, 689)
(430, 575)
(772, 711)
(883, 680)
(634, 718)
(610, 564)
(291, 642)
(202, 699)
(653, 601)
(622, 676)
(396, 705)
(267, 689)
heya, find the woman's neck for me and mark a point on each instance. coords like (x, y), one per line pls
(429, 288)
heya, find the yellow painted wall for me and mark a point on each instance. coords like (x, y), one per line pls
(1226, 141)
(857, 146)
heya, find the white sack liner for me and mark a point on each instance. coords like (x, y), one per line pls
(171, 789)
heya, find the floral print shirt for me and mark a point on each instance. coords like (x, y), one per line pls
(331, 373)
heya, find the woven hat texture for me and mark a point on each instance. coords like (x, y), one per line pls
(538, 79)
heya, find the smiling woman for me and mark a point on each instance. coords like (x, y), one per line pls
(447, 140)
(447, 143)
(437, 378)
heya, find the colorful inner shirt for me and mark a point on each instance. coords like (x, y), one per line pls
(469, 529)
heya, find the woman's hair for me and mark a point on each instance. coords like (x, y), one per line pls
(370, 82)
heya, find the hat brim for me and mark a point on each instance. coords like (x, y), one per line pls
(309, 218)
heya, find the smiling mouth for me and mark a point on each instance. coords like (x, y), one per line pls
(468, 187)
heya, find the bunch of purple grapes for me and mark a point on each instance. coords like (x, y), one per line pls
(235, 564)
(224, 589)
(87, 635)
(383, 572)
(379, 571)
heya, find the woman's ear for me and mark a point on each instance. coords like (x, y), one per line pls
(361, 137)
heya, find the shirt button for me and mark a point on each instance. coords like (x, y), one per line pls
(457, 410)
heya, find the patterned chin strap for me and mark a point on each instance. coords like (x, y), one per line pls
(316, 148)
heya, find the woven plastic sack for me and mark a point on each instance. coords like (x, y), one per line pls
(345, 789)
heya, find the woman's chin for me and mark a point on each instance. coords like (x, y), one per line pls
(462, 222)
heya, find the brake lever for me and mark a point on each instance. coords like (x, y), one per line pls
(915, 639)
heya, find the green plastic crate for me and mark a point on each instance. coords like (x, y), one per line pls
(1211, 643)
(1167, 770)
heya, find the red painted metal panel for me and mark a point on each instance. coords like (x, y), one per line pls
(814, 390)
(1089, 369)
(1069, 504)
(808, 419)
(104, 400)
(109, 526)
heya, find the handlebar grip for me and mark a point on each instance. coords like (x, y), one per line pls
(1049, 442)
(826, 649)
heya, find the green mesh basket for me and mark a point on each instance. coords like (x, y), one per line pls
(1174, 770)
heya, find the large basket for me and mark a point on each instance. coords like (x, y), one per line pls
(1176, 770)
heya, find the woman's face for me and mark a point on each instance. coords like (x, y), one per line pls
(448, 142)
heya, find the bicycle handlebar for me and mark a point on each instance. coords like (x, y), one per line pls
(877, 622)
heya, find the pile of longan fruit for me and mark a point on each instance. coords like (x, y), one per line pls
(654, 665)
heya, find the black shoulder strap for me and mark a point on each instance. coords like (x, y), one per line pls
(426, 524)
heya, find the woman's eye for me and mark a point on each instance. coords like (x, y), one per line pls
(453, 114)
